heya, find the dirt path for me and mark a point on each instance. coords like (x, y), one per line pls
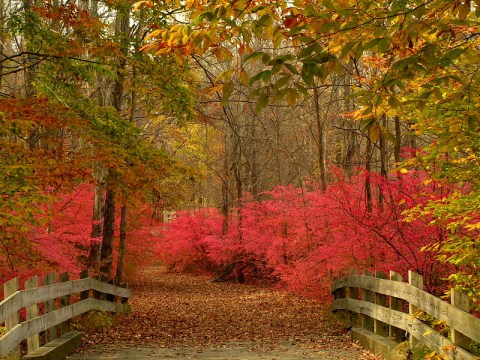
(189, 317)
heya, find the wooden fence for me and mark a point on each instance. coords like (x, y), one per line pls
(46, 311)
(394, 310)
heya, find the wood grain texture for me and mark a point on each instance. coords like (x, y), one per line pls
(29, 297)
(426, 335)
(456, 318)
(33, 295)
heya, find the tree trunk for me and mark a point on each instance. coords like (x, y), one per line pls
(321, 140)
(253, 160)
(398, 143)
(383, 157)
(351, 137)
(122, 245)
(124, 211)
(97, 225)
(121, 31)
(368, 184)
(108, 233)
(2, 39)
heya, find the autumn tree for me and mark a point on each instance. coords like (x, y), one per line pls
(81, 111)
(425, 77)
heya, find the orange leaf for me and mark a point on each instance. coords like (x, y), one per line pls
(290, 22)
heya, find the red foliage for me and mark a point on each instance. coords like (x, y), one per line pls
(301, 238)
(192, 242)
(64, 243)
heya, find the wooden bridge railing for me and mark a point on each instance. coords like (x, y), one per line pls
(392, 310)
(47, 311)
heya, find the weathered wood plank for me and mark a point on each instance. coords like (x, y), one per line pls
(50, 306)
(33, 342)
(396, 304)
(460, 301)
(109, 289)
(367, 321)
(64, 301)
(383, 314)
(30, 327)
(11, 287)
(379, 327)
(422, 332)
(434, 306)
(84, 294)
(25, 298)
(415, 280)
(58, 348)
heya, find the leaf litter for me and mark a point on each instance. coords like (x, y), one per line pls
(186, 311)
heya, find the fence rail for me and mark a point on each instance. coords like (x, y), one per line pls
(383, 303)
(47, 309)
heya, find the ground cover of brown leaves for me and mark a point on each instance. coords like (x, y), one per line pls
(172, 310)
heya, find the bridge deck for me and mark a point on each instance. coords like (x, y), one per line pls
(189, 317)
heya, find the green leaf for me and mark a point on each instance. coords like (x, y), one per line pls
(307, 51)
(261, 103)
(254, 56)
(283, 81)
(292, 68)
(370, 44)
(394, 102)
(266, 58)
(227, 92)
(266, 76)
(307, 74)
(346, 49)
(257, 77)
(278, 39)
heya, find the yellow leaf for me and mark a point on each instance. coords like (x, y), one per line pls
(153, 34)
(291, 97)
(454, 128)
(244, 78)
(147, 47)
(162, 51)
(215, 88)
(139, 4)
(374, 133)
(403, 171)
(463, 11)
(178, 58)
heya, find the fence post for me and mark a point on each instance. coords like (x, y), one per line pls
(64, 301)
(50, 305)
(367, 321)
(415, 280)
(10, 288)
(353, 294)
(380, 327)
(396, 304)
(33, 342)
(84, 294)
(460, 300)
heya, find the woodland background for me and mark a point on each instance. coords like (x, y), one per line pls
(257, 141)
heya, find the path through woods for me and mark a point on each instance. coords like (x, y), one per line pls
(189, 317)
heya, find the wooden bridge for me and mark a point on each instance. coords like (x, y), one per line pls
(180, 316)
(58, 339)
(391, 311)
